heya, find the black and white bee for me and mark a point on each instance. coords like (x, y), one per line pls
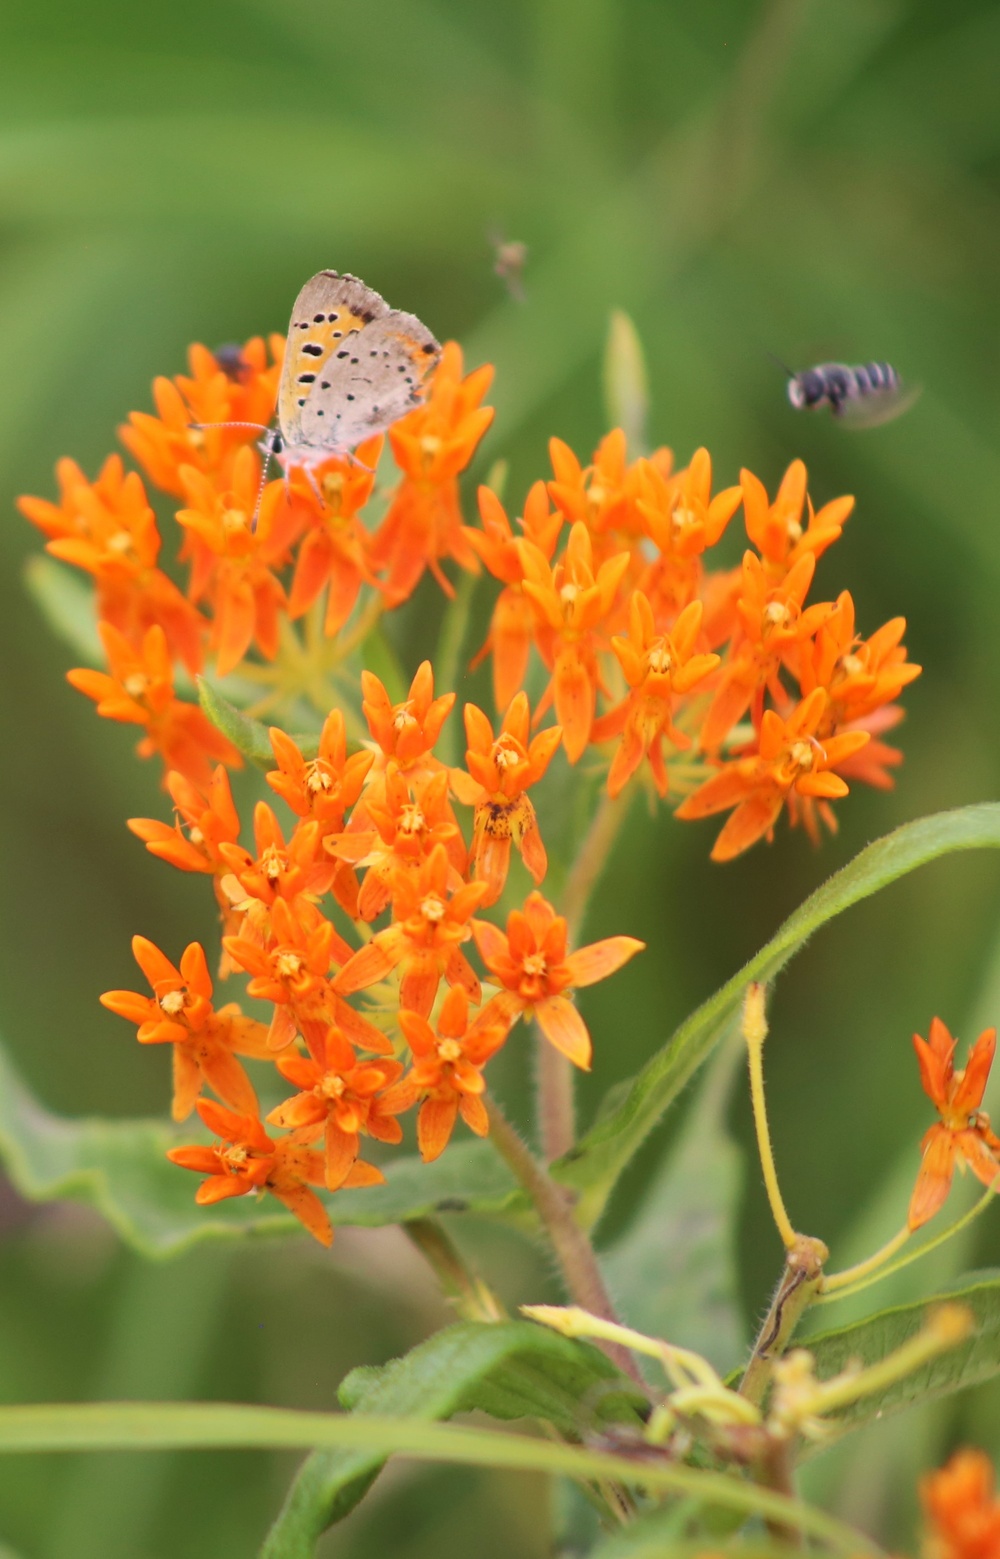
(861, 396)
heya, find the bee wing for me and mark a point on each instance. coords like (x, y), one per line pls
(878, 406)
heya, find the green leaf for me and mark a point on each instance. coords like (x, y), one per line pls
(969, 1364)
(598, 1159)
(248, 735)
(510, 1370)
(131, 1426)
(673, 1272)
(120, 1167)
(65, 599)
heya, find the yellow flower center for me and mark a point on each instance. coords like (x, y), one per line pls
(534, 964)
(273, 863)
(288, 964)
(853, 665)
(196, 439)
(803, 755)
(449, 1050)
(411, 820)
(136, 685)
(333, 490)
(430, 446)
(568, 593)
(683, 517)
(234, 521)
(432, 909)
(173, 1003)
(596, 495)
(505, 754)
(317, 779)
(776, 612)
(332, 1086)
(793, 529)
(120, 542)
(195, 834)
(660, 660)
(233, 1158)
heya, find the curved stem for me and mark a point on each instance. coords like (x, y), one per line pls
(573, 1250)
(755, 1033)
(863, 1269)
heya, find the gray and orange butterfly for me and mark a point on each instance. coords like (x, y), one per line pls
(353, 366)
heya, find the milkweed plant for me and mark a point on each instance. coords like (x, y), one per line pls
(409, 897)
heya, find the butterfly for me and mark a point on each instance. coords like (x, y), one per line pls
(352, 367)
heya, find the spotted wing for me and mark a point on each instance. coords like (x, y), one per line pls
(329, 309)
(878, 406)
(371, 380)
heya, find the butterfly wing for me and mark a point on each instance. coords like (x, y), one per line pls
(878, 406)
(329, 309)
(370, 380)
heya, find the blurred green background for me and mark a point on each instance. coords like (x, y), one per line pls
(742, 178)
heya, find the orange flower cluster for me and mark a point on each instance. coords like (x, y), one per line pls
(738, 695)
(729, 690)
(253, 557)
(961, 1508)
(371, 831)
(726, 689)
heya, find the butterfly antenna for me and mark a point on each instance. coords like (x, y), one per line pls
(256, 427)
(268, 452)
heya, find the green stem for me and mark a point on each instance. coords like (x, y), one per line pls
(463, 1287)
(133, 1426)
(800, 1283)
(572, 1248)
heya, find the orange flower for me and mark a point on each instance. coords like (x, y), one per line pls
(340, 1097)
(601, 495)
(533, 966)
(513, 621)
(208, 814)
(408, 731)
(773, 624)
(447, 1070)
(139, 690)
(108, 528)
(233, 561)
(961, 1508)
(500, 773)
(776, 528)
(791, 765)
(408, 823)
(963, 1135)
(335, 547)
(431, 445)
(324, 788)
(658, 668)
(860, 675)
(292, 971)
(571, 602)
(181, 1014)
(253, 1161)
(280, 870)
(682, 520)
(210, 395)
(428, 928)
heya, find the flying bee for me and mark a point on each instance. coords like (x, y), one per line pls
(860, 396)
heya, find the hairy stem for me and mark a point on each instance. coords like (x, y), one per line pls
(799, 1285)
(463, 1287)
(555, 1107)
(573, 1250)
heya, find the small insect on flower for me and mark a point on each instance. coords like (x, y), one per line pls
(862, 396)
(353, 366)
